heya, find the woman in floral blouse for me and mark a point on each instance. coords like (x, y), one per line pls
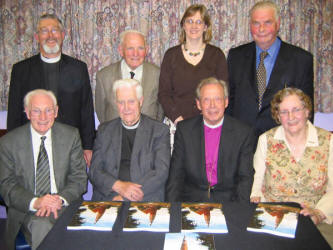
(294, 161)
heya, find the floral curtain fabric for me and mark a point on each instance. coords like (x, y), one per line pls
(93, 27)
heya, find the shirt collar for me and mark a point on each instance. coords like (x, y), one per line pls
(125, 70)
(34, 133)
(271, 50)
(214, 126)
(50, 60)
(311, 139)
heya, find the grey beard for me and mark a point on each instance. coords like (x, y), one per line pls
(53, 50)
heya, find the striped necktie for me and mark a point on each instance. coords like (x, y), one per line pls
(261, 77)
(43, 185)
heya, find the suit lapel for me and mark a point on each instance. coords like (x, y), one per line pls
(277, 79)
(249, 73)
(144, 80)
(27, 155)
(198, 142)
(57, 153)
(226, 138)
(116, 141)
(37, 74)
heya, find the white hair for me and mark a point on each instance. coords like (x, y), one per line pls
(124, 33)
(130, 83)
(266, 4)
(29, 95)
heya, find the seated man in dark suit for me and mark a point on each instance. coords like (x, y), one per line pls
(131, 154)
(212, 157)
(42, 170)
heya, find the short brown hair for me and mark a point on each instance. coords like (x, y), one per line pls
(283, 93)
(212, 80)
(190, 11)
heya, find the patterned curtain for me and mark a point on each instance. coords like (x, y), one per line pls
(93, 28)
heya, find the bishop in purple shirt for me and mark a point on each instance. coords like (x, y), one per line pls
(213, 152)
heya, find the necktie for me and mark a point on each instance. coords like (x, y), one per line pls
(43, 185)
(261, 77)
(132, 74)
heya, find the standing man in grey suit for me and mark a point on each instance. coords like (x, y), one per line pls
(133, 49)
(65, 76)
(253, 82)
(213, 152)
(131, 154)
(42, 170)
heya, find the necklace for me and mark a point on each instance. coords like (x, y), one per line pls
(193, 53)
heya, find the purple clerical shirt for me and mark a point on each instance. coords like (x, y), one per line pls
(212, 143)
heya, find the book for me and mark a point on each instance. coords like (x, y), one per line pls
(203, 217)
(152, 216)
(275, 219)
(99, 216)
(190, 241)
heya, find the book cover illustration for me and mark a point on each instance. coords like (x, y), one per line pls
(189, 241)
(203, 217)
(99, 216)
(275, 219)
(153, 216)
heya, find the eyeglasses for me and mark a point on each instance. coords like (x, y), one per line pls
(46, 31)
(294, 111)
(191, 21)
(37, 112)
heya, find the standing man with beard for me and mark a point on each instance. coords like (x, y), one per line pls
(65, 76)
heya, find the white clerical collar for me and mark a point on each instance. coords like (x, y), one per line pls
(131, 127)
(50, 60)
(214, 126)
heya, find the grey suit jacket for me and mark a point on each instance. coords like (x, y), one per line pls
(149, 161)
(105, 104)
(17, 171)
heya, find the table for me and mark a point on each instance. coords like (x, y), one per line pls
(237, 216)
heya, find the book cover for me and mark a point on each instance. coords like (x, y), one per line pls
(189, 241)
(203, 217)
(152, 216)
(275, 219)
(99, 216)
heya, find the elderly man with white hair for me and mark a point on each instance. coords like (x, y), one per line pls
(133, 50)
(131, 153)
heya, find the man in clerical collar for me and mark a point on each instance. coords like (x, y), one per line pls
(65, 76)
(133, 50)
(212, 157)
(131, 153)
(42, 170)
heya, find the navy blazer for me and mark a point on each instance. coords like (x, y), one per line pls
(293, 68)
(188, 179)
(74, 94)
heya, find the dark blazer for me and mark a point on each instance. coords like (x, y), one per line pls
(74, 94)
(293, 68)
(187, 178)
(106, 108)
(150, 159)
(17, 171)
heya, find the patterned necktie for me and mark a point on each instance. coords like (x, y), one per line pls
(261, 77)
(132, 74)
(43, 185)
